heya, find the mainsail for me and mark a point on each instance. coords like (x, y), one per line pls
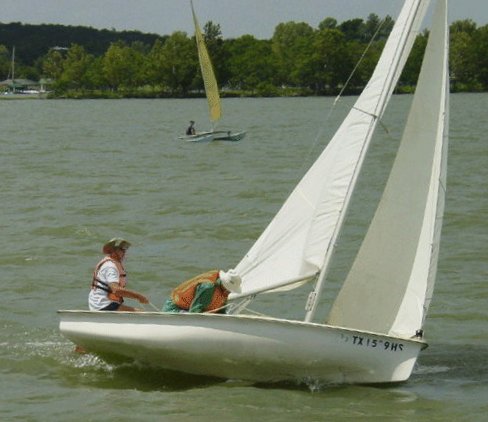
(300, 240)
(208, 75)
(395, 268)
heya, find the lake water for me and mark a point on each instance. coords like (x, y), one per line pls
(76, 173)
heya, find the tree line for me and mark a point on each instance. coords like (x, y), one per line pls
(297, 60)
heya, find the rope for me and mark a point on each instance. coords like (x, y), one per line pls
(336, 100)
(359, 61)
(240, 307)
(154, 307)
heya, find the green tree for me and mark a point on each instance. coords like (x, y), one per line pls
(467, 25)
(174, 63)
(376, 28)
(95, 75)
(52, 64)
(353, 29)
(251, 64)
(386, 27)
(463, 55)
(371, 26)
(293, 46)
(411, 70)
(330, 60)
(480, 45)
(328, 23)
(216, 51)
(75, 67)
(122, 66)
(5, 61)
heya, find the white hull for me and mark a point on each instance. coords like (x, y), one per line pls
(24, 96)
(214, 136)
(199, 137)
(229, 136)
(243, 347)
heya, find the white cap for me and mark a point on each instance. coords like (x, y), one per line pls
(230, 280)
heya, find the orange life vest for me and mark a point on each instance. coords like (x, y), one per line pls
(184, 294)
(102, 285)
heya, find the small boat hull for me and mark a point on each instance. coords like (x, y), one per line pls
(199, 137)
(229, 136)
(243, 347)
(24, 96)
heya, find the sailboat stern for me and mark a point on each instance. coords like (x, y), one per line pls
(371, 358)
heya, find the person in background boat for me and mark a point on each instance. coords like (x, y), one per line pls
(191, 129)
(207, 292)
(108, 288)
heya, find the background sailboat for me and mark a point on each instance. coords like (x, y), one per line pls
(370, 336)
(20, 88)
(211, 92)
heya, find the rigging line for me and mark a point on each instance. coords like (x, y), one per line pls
(321, 130)
(379, 113)
(386, 88)
(232, 306)
(252, 312)
(360, 60)
(154, 307)
(242, 306)
(236, 308)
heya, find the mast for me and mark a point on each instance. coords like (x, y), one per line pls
(13, 68)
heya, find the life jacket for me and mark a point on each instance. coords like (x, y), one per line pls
(102, 285)
(183, 295)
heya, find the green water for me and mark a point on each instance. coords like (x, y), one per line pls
(76, 173)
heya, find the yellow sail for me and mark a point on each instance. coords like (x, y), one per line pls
(208, 75)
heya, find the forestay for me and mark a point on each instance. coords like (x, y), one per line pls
(299, 241)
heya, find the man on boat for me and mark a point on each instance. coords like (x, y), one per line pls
(110, 278)
(207, 292)
(191, 129)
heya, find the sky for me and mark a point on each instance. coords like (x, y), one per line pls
(235, 17)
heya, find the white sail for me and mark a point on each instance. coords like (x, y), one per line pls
(395, 268)
(299, 241)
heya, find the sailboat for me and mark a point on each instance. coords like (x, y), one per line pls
(20, 88)
(374, 329)
(212, 94)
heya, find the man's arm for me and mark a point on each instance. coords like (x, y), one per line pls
(131, 294)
